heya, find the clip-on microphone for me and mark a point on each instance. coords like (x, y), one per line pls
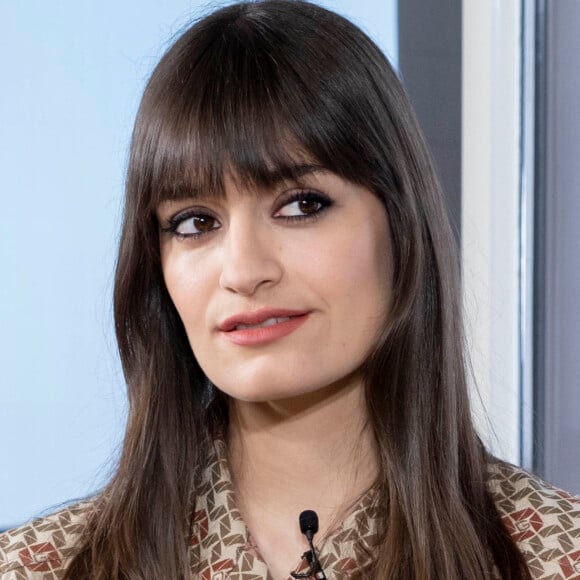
(309, 526)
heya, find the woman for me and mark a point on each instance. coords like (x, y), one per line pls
(288, 317)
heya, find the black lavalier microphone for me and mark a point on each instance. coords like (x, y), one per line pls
(308, 521)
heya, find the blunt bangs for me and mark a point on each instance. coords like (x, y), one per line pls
(237, 95)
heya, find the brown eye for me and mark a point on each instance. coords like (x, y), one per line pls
(193, 225)
(204, 224)
(307, 206)
(304, 205)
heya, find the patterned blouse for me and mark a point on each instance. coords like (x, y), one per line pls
(543, 520)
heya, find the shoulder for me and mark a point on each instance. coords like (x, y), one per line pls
(543, 520)
(40, 549)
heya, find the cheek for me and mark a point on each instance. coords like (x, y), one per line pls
(356, 270)
(188, 282)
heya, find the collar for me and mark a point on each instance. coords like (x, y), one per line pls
(222, 548)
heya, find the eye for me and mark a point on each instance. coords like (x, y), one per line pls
(303, 205)
(192, 224)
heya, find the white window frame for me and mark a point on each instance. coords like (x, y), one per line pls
(495, 223)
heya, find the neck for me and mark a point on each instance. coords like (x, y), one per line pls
(313, 452)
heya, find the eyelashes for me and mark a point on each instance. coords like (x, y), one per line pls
(297, 207)
(303, 205)
(192, 223)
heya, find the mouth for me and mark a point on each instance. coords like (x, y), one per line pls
(262, 326)
(259, 319)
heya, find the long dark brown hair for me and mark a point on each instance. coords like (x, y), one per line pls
(250, 89)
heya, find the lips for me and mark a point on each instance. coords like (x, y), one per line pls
(252, 329)
(258, 319)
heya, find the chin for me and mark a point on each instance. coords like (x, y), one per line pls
(256, 382)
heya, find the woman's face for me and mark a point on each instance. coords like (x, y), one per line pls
(281, 292)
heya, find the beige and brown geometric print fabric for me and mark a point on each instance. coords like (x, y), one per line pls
(41, 549)
(544, 521)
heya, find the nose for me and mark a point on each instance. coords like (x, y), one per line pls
(251, 259)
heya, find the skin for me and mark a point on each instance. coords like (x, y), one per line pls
(297, 437)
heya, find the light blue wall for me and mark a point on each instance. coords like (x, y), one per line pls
(71, 77)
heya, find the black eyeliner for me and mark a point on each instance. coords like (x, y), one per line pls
(176, 220)
(324, 200)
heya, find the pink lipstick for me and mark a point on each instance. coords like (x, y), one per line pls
(262, 326)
